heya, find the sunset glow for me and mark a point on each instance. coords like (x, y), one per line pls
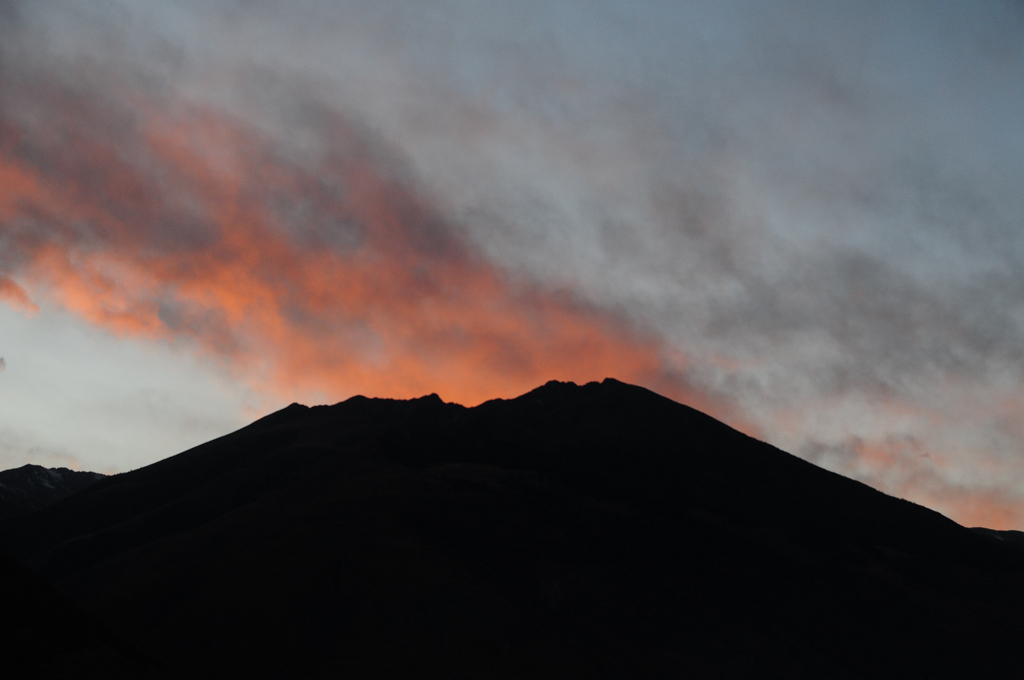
(400, 309)
(787, 219)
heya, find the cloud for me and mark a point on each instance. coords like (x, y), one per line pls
(15, 451)
(309, 267)
(802, 218)
(3, 364)
(15, 296)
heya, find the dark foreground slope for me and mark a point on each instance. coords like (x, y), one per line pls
(45, 635)
(594, 531)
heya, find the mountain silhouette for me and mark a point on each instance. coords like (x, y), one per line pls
(595, 531)
(31, 487)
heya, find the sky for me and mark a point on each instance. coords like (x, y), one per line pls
(803, 218)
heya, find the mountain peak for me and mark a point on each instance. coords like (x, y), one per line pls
(32, 487)
(596, 530)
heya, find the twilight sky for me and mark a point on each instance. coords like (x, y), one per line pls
(804, 218)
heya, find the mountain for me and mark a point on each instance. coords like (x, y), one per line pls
(32, 487)
(597, 531)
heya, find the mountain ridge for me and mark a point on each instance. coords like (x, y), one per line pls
(596, 530)
(32, 487)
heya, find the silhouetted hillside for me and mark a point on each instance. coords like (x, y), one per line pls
(576, 531)
(32, 487)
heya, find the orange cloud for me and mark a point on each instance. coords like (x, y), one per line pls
(322, 272)
(15, 296)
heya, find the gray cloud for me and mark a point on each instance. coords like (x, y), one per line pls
(816, 207)
(16, 450)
